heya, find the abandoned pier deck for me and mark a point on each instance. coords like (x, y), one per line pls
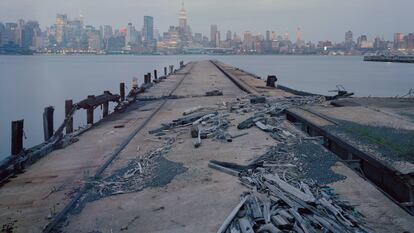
(183, 193)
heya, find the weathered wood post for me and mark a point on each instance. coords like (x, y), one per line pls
(271, 81)
(17, 137)
(48, 122)
(89, 112)
(155, 75)
(181, 64)
(68, 110)
(122, 91)
(171, 69)
(145, 78)
(165, 71)
(105, 109)
(149, 77)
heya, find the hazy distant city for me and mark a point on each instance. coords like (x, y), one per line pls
(70, 35)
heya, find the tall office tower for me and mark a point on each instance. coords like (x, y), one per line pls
(298, 35)
(286, 36)
(349, 37)
(130, 35)
(213, 32)
(107, 31)
(409, 42)
(148, 29)
(398, 40)
(2, 33)
(274, 36)
(184, 30)
(10, 33)
(228, 35)
(267, 35)
(61, 26)
(19, 32)
(248, 41)
(198, 37)
(182, 18)
(217, 40)
(31, 30)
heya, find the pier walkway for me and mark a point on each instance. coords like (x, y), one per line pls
(184, 194)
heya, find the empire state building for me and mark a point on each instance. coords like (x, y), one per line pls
(183, 17)
(184, 29)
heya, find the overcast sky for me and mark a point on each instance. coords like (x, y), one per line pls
(319, 19)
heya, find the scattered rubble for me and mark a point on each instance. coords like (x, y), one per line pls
(214, 93)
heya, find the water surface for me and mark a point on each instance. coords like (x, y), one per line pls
(30, 83)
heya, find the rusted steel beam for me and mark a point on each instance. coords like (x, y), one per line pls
(95, 101)
(68, 115)
(17, 137)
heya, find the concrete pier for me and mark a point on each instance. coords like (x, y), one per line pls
(196, 199)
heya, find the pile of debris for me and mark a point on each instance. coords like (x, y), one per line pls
(135, 175)
(204, 122)
(285, 182)
(284, 204)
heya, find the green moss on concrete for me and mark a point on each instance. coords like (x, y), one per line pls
(397, 143)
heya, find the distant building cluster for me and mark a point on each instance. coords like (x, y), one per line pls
(69, 36)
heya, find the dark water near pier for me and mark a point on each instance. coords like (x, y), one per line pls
(30, 83)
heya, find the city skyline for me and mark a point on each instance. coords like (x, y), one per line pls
(70, 34)
(280, 16)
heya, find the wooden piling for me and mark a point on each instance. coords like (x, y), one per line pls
(271, 81)
(165, 71)
(48, 122)
(89, 112)
(17, 137)
(155, 75)
(68, 110)
(122, 91)
(105, 107)
(149, 77)
(145, 78)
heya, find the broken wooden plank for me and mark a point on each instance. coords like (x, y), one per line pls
(289, 188)
(229, 171)
(231, 216)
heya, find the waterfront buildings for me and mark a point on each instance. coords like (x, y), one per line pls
(71, 35)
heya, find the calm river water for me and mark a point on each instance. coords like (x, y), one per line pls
(30, 83)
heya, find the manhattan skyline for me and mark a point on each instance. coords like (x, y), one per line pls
(319, 19)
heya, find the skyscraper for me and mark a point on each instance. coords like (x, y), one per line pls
(349, 37)
(61, 25)
(182, 17)
(298, 35)
(267, 35)
(228, 35)
(2, 34)
(131, 35)
(148, 30)
(398, 40)
(286, 36)
(213, 32)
